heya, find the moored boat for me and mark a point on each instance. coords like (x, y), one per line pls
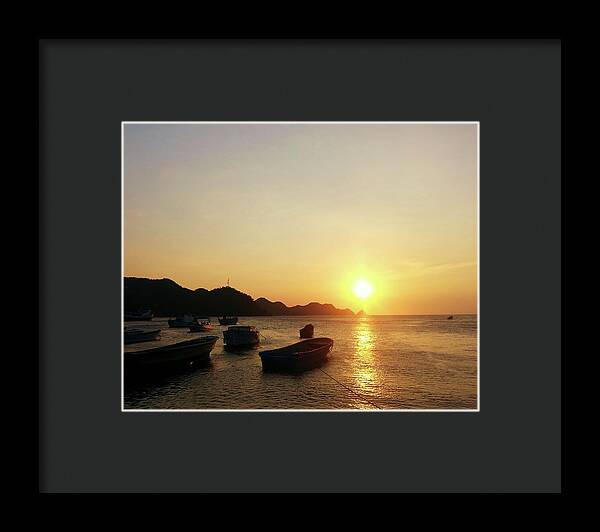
(168, 356)
(228, 320)
(241, 336)
(144, 315)
(202, 325)
(183, 321)
(307, 331)
(301, 356)
(135, 336)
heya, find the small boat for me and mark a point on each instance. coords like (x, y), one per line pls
(145, 315)
(241, 336)
(307, 331)
(164, 357)
(134, 336)
(201, 326)
(450, 318)
(183, 321)
(228, 320)
(301, 356)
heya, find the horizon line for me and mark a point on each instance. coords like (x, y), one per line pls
(355, 313)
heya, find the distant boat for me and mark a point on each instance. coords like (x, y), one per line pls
(228, 320)
(450, 318)
(202, 325)
(183, 321)
(307, 331)
(134, 336)
(171, 355)
(241, 336)
(145, 315)
(301, 356)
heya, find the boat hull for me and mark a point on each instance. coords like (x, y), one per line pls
(200, 328)
(141, 336)
(146, 316)
(240, 339)
(170, 356)
(176, 324)
(303, 356)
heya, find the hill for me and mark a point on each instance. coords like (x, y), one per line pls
(167, 298)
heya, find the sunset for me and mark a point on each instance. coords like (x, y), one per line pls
(303, 212)
(342, 252)
(363, 289)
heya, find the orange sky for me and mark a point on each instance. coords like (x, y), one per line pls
(300, 212)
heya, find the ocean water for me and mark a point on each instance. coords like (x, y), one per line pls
(377, 362)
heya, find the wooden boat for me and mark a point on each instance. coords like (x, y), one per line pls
(307, 331)
(135, 336)
(183, 321)
(170, 356)
(201, 326)
(145, 315)
(301, 356)
(231, 320)
(241, 336)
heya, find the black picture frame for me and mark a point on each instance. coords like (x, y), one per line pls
(87, 87)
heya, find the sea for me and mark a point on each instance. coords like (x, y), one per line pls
(377, 363)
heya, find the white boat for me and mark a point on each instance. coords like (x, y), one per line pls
(183, 321)
(241, 336)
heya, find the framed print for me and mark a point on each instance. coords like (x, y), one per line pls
(345, 251)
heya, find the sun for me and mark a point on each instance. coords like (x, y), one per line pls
(363, 289)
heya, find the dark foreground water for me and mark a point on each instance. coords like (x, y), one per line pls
(387, 362)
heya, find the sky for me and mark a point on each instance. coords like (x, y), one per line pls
(303, 212)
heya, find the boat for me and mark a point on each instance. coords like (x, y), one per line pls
(202, 325)
(228, 320)
(307, 331)
(183, 321)
(134, 336)
(301, 356)
(145, 315)
(450, 318)
(180, 354)
(241, 336)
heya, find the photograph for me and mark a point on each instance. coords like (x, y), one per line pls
(300, 266)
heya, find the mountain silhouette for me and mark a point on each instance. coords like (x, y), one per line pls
(166, 298)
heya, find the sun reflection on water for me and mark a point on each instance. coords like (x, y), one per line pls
(364, 371)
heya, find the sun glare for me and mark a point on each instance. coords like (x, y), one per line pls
(363, 289)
